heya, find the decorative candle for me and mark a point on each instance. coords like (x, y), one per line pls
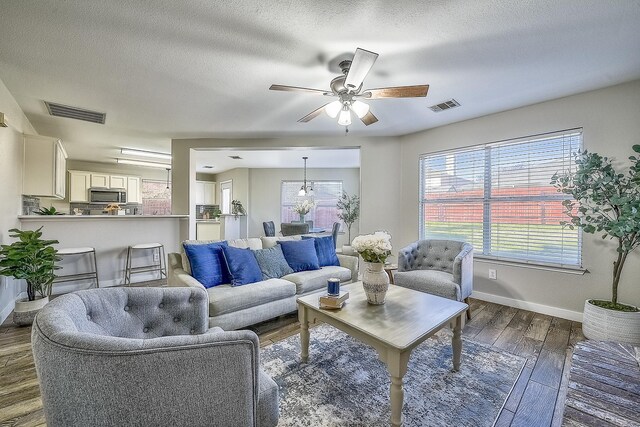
(333, 287)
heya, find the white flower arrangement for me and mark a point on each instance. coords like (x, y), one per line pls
(303, 207)
(374, 247)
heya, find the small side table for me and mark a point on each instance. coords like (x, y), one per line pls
(389, 269)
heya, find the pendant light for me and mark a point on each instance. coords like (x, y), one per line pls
(305, 190)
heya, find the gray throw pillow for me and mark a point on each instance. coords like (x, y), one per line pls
(272, 263)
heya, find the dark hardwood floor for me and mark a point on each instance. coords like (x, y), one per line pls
(536, 400)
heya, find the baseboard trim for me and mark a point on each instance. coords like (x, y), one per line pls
(531, 306)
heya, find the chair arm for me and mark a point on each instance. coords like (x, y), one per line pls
(350, 262)
(158, 374)
(404, 258)
(463, 270)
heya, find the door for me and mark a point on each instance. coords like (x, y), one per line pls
(134, 193)
(99, 180)
(117, 181)
(79, 183)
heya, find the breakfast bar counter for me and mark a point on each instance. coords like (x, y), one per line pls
(110, 235)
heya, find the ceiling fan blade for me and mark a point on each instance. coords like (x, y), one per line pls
(300, 89)
(312, 115)
(369, 118)
(397, 92)
(360, 65)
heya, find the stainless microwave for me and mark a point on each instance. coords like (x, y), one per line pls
(107, 196)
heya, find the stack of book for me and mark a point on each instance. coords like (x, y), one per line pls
(333, 302)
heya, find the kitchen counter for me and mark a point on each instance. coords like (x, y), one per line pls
(211, 221)
(95, 217)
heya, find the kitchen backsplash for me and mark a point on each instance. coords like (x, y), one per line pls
(98, 208)
(30, 204)
(204, 211)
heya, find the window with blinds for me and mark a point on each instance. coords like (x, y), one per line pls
(499, 198)
(325, 195)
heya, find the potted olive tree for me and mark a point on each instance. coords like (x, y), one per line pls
(32, 259)
(607, 203)
(348, 212)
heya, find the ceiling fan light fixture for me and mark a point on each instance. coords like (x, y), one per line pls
(332, 109)
(360, 108)
(345, 117)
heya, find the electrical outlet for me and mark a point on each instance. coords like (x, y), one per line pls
(493, 274)
(156, 256)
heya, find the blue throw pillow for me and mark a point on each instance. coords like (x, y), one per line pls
(272, 263)
(243, 266)
(207, 263)
(325, 249)
(300, 254)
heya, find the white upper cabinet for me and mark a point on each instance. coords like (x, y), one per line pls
(45, 167)
(79, 184)
(100, 180)
(117, 181)
(134, 189)
(205, 193)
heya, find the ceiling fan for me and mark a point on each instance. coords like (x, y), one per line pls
(348, 89)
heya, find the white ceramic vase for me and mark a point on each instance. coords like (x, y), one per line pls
(603, 324)
(375, 282)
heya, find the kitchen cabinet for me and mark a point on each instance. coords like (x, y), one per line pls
(116, 181)
(45, 167)
(79, 184)
(99, 180)
(205, 193)
(134, 189)
(207, 230)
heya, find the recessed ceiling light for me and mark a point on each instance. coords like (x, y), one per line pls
(235, 157)
(143, 153)
(207, 167)
(142, 163)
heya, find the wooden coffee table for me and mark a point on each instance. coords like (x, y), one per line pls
(406, 319)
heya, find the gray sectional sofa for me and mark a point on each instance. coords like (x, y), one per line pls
(235, 307)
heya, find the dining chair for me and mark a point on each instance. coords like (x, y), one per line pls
(269, 228)
(292, 229)
(334, 233)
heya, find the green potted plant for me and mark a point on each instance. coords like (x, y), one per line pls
(237, 209)
(606, 202)
(348, 212)
(32, 259)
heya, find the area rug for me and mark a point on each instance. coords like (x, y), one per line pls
(345, 384)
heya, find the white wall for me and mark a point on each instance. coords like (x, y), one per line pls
(11, 167)
(610, 118)
(265, 197)
(379, 172)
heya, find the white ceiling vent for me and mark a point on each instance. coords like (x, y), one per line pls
(446, 105)
(235, 157)
(60, 110)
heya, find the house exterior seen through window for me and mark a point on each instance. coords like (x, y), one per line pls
(325, 196)
(499, 198)
(156, 197)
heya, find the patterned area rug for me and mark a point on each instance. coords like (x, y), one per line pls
(345, 384)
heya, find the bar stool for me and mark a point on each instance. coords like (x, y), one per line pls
(88, 275)
(160, 266)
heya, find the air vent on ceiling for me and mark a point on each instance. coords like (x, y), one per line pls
(235, 157)
(60, 110)
(446, 105)
(207, 167)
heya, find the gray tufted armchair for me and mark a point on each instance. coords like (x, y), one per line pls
(145, 357)
(439, 267)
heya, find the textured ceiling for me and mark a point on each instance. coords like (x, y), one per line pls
(167, 68)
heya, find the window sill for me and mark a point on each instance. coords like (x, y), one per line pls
(559, 269)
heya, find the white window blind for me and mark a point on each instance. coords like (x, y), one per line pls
(325, 195)
(499, 198)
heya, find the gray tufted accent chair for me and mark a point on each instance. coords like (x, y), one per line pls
(437, 267)
(145, 356)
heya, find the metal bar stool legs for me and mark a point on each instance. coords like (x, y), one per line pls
(88, 275)
(160, 266)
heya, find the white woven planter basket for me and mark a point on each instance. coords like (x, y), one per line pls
(610, 325)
